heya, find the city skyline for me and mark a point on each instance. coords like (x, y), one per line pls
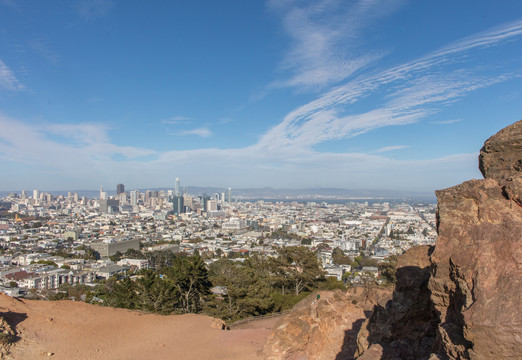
(283, 94)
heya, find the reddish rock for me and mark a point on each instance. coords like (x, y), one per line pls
(405, 328)
(500, 159)
(477, 272)
(324, 329)
(458, 300)
(477, 275)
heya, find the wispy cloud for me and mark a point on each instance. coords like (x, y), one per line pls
(90, 10)
(415, 89)
(88, 158)
(447, 122)
(89, 145)
(400, 95)
(176, 120)
(8, 79)
(173, 125)
(226, 120)
(391, 148)
(325, 35)
(94, 99)
(202, 132)
(86, 133)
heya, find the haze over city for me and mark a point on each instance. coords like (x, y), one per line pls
(287, 94)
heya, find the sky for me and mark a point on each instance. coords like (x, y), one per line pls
(367, 94)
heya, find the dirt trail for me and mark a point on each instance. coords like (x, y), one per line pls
(76, 330)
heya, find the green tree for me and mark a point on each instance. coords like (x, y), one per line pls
(156, 294)
(388, 268)
(190, 278)
(247, 284)
(134, 254)
(340, 258)
(331, 283)
(116, 257)
(301, 266)
(120, 293)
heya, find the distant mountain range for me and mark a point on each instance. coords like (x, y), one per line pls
(312, 193)
(276, 194)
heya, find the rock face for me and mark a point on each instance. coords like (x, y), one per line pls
(406, 326)
(500, 159)
(476, 280)
(462, 299)
(324, 329)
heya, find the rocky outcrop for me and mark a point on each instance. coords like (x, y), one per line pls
(458, 300)
(323, 329)
(500, 160)
(461, 300)
(406, 326)
(477, 263)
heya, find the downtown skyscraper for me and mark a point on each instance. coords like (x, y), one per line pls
(177, 201)
(177, 187)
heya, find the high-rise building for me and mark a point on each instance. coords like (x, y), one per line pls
(203, 199)
(103, 194)
(120, 189)
(109, 206)
(134, 196)
(229, 195)
(178, 205)
(177, 188)
(212, 205)
(36, 195)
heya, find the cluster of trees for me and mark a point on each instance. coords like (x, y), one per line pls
(256, 286)
(282, 234)
(358, 262)
(181, 288)
(262, 285)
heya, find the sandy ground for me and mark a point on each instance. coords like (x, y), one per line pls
(76, 330)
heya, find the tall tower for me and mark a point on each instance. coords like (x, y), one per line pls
(134, 194)
(229, 195)
(120, 189)
(178, 205)
(177, 188)
(103, 194)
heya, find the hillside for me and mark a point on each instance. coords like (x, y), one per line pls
(76, 330)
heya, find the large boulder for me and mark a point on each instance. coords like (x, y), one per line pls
(500, 159)
(323, 329)
(476, 278)
(458, 300)
(462, 299)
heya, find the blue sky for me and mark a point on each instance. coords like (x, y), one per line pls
(362, 94)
